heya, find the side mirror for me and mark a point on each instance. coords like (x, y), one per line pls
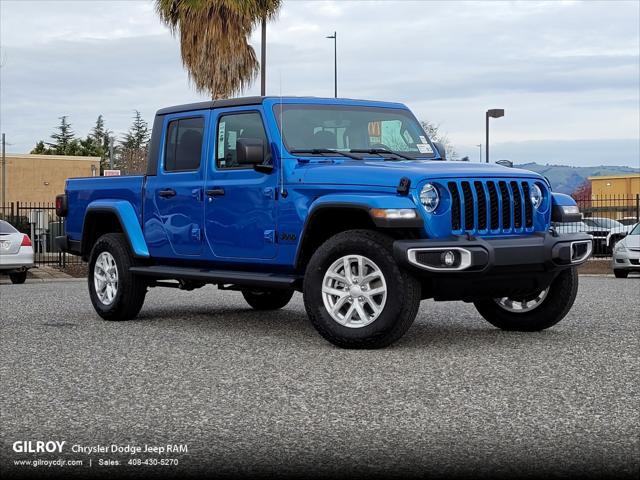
(441, 150)
(505, 163)
(249, 151)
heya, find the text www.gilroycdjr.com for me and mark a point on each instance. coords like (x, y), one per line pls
(48, 463)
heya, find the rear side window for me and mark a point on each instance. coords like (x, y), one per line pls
(183, 146)
(6, 228)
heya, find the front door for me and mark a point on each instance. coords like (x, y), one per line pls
(174, 225)
(240, 205)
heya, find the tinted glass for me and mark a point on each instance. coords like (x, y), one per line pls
(341, 127)
(6, 227)
(232, 128)
(183, 147)
(636, 230)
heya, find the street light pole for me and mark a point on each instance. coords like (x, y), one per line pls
(492, 113)
(263, 58)
(335, 62)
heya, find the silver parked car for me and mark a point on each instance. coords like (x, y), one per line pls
(626, 254)
(16, 253)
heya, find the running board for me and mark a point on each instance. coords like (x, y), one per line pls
(254, 279)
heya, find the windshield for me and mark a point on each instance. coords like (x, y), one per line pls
(636, 230)
(603, 222)
(6, 228)
(351, 128)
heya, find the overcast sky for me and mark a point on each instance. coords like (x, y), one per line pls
(567, 73)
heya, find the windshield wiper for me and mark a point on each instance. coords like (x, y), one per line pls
(320, 151)
(379, 151)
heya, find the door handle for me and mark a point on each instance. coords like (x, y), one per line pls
(168, 193)
(215, 192)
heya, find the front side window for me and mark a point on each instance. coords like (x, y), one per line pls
(351, 128)
(183, 147)
(234, 127)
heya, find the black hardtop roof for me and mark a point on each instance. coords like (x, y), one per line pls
(228, 102)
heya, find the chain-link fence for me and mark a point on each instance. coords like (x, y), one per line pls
(40, 222)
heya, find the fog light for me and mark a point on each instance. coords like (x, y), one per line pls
(449, 258)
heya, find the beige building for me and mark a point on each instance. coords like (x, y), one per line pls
(39, 178)
(619, 185)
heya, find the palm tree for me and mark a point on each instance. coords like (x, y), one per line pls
(214, 38)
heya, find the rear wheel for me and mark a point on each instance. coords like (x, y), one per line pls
(18, 277)
(534, 312)
(271, 299)
(355, 293)
(621, 273)
(116, 294)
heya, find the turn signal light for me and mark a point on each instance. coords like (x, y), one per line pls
(26, 241)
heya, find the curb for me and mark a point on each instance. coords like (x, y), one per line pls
(35, 281)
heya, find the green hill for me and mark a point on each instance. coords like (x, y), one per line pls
(566, 179)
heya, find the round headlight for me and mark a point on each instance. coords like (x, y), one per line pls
(535, 194)
(429, 197)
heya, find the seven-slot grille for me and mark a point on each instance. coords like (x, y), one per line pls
(490, 206)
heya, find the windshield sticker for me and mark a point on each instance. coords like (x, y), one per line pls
(221, 139)
(424, 148)
(423, 139)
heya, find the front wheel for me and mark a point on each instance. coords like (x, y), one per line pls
(621, 273)
(271, 299)
(355, 293)
(18, 277)
(115, 292)
(534, 312)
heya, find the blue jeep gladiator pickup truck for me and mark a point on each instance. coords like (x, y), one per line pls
(346, 201)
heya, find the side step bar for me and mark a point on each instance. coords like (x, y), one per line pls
(253, 279)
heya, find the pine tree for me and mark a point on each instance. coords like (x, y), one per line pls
(41, 149)
(63, 143)
(138, 135)
(132, 154)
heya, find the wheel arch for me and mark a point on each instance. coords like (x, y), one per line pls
(115, 216)
(327, 217)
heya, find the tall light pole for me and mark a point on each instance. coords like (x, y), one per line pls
(263, 58)
(480, 147)
(492, 113)
(335, 62)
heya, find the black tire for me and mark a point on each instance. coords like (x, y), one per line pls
(559, 300)
(271, 299)
(621, 273)
(131, 289)
(18, 277)
(403, 291)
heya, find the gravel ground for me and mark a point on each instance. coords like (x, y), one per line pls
(261, 393)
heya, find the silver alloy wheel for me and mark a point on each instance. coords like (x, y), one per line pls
(105, 278)
(522, 305)
(354, 291)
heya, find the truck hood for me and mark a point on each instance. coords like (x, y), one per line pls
(388, 173)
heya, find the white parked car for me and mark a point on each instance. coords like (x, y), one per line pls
(16, 253)
(626, 254)
(613, 230)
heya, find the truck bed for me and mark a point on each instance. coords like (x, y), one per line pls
(82, 191)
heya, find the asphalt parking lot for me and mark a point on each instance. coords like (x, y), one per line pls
(262, 393)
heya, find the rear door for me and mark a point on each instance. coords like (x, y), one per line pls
(174, 227)
(240, 211)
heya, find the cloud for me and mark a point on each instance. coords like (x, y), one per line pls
(562, 70)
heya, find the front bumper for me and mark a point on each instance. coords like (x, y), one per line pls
(491, 267)
(626, 260)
